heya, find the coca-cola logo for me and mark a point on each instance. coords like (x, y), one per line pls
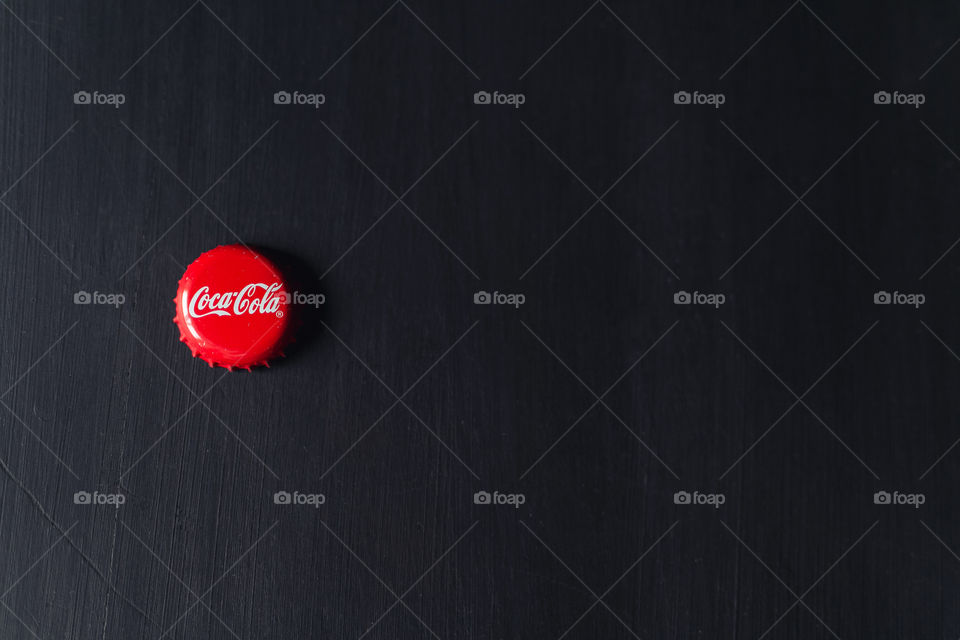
(254, 298)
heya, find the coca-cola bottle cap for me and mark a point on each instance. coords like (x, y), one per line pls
(233, 308)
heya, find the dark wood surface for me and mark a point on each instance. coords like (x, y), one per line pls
(598, 399)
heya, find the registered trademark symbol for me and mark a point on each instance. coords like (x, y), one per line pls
(279, 314)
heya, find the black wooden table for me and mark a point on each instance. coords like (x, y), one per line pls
(639, 320)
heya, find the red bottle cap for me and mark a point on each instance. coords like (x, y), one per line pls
(233, 308)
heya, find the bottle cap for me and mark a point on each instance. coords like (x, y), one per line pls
(233, 308)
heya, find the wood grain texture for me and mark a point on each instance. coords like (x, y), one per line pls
(597, 400)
